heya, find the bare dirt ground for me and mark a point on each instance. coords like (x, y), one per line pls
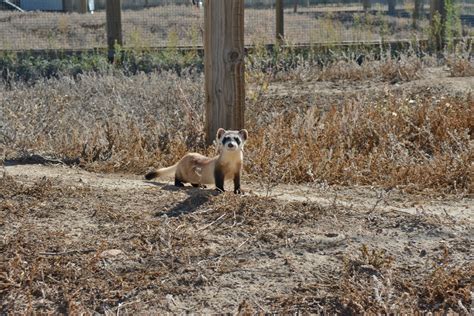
(434, 78)
(74, 241)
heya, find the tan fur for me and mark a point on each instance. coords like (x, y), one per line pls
(197, 169)
(193, 167)
(229, 165)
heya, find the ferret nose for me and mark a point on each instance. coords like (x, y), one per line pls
(230, 145)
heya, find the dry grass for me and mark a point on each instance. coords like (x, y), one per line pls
(460, 61)
(461, 66)
(372, 284)
(448, 285)
(174, 255)
(386, 69)
(415, 144)
(92, 119)
(415, 139)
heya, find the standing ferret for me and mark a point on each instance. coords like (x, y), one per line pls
(199, 170)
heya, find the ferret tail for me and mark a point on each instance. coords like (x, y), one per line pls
(163, 172)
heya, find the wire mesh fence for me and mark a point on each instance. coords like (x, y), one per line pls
(350, 22)
(51, 24)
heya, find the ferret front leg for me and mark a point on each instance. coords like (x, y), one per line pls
(237, 183)
(219, 179)
(178, 182)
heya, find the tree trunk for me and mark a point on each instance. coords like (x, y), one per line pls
(295, 6)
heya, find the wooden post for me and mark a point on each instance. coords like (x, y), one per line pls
(79, 6)
(391, 7)
(417, 12)
(82, 6)
(366, 5)
(295, 6)
(280, 30)
(438, 8)
(224, 65)
(114, 25)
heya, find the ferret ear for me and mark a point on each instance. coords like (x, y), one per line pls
(220, 133)
(244, 134)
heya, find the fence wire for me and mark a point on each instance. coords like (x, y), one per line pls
(335, 23)
(180, 23)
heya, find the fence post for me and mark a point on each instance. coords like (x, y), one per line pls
(83, 6)
(224, 65)
(391, 7)
(417, 12)
(438, 22)
(114, 25)
(366, 5)
(280, 30)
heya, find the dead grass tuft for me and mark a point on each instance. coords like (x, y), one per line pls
(415, 144)
(460, 62)
(370, 283)
(366, 283)
(447, 286)
(461, 67)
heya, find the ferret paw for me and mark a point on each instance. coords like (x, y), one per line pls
(238, 191)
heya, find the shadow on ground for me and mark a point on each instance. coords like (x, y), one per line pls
(196, 198)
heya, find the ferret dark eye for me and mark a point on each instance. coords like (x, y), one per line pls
(225, 140)
(237, 140)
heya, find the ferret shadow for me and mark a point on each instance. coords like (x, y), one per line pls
(196, 198)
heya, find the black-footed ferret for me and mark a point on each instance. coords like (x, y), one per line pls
(199, 170)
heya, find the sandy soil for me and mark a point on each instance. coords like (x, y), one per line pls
(112, 243)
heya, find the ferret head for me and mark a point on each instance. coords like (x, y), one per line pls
(231, 140)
